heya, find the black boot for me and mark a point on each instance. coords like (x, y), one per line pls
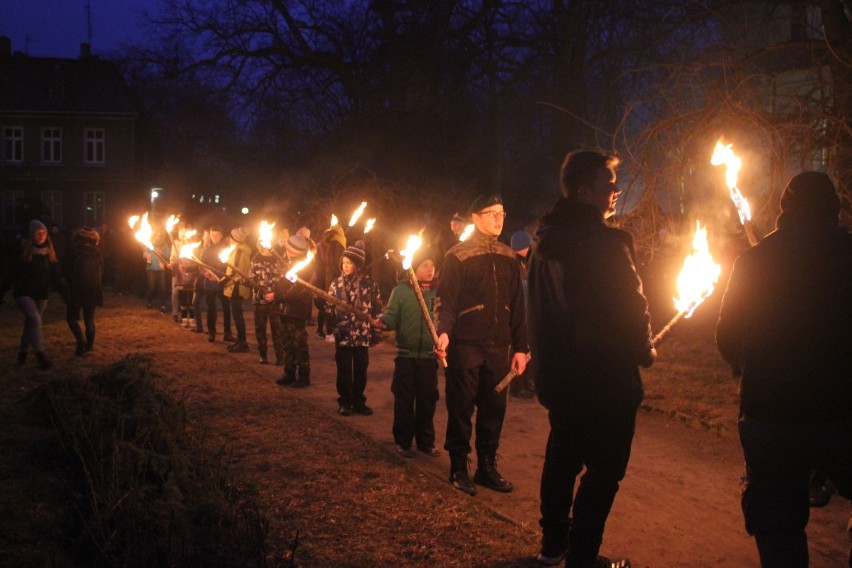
(458, 474)
(263, 360)
(487, 474)
(81, 348)
(44, 361)
(304, 379)
(289, 377)
(22, 357)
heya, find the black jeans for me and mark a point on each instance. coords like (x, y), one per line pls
(211, 296)
(156, 287)
(779, 459)
(72, 316)
(415, 393)
(599, 437)
(262, 314)
(352, 365)
(238, 317)
(472, 373)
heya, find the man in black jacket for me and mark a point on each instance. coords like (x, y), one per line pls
(590, 332)
(481, 326)
(785, 327)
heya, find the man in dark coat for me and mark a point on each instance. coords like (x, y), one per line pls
(590, 332)
(785, 327)
(480, 316)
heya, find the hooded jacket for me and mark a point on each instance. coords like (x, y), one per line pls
(403, 315)
(588, 315)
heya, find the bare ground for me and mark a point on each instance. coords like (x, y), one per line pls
(338, 483)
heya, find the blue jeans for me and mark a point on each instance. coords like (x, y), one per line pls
(32, 335)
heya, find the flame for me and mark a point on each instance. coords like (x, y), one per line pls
(334, 220)
(411, 247)
(170, 224)
(699, 275)
(265, 232)
(369, 225)
(357, 213)
(189, 234)
(143, 235)
(186, 250)
(292, 274)
(468, 230)
(226, 253)
(723, 154)
(133, 220)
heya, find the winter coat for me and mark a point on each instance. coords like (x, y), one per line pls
(83, 268)
(266, 271)
(241, 259)
(785, 325)
(210, 257)
(152, 261)
(404, 316)
(480, 300)
(37, 277)
(294, 300)
(363, 294)
(589, 321)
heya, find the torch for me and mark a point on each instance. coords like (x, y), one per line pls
(225, 255)
(187, 251)
(695, 283)
(368, 226)
(292, 276)
(265, 239)
(357, 214)
(468, 230)
(411, 247)
(170, 225)
(723, 154)
(143, 235)
(510, 376)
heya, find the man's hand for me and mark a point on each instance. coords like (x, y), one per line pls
(519, 362)
(378, 323)
(652, 356)
(441, 349)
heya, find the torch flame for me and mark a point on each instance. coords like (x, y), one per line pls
(186, 251)
(226, 253)
(357, 213)
(468, 230)
(292, 274)
(334, 220)
(143, 235)
(407, 253)
(368, 226)
(723, 154)
(265, 232)
(170, 224)
(189, 234)
(699, 275)
(133, 220)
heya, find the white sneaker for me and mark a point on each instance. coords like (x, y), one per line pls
(329, 338)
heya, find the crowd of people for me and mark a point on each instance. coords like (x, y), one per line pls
(569, 295)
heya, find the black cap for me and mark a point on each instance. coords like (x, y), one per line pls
(484, 201)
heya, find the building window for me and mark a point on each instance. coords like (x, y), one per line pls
(94, 204)
(51, 145)
(95, 147)
(52, 201)
(13, 144)
(9, 201)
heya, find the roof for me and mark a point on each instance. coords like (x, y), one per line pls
(63, 86)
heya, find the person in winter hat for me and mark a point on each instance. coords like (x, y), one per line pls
(415, 375)
(266, 271)
(353, 336)
(83, 269)
(330, 249)
(785, 327)
(234, 289)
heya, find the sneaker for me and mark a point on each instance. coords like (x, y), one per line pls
(432, 452)
(362, 409)
(553, 550)
(407, 453)
(320, 334)
(345, 411)
(263, 360)
(329, 338)
(239, 347)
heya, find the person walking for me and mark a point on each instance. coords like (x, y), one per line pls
(482, 332)
(83, 270)
(785, 327)
(590, 333)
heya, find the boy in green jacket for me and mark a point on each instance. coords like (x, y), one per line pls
(415, 374)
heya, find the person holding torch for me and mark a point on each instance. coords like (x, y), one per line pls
(590, 333)
(482, 332)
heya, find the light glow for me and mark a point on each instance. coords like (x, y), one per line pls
(699, 275)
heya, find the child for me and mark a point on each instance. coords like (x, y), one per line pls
(293, 303)
(266, 270)
(415, 373)
(352, 336)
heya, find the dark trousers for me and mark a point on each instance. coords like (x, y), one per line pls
(238, 317)
(415, 393)
(779, 459)
(156, 280)
(263, 314)
(472, 373)
(597, 436)
(72, 316)
(352, 365)
(294, 346)
(197, 296)
(211, 296)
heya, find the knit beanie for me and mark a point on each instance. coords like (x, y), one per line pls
(86, 234)
(36, 225)
(520, 240)
(356, 254)
(809, 197)
(297, 244)
(239, 234)
(422, 254)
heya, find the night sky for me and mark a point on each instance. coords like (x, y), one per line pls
(56, 28)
